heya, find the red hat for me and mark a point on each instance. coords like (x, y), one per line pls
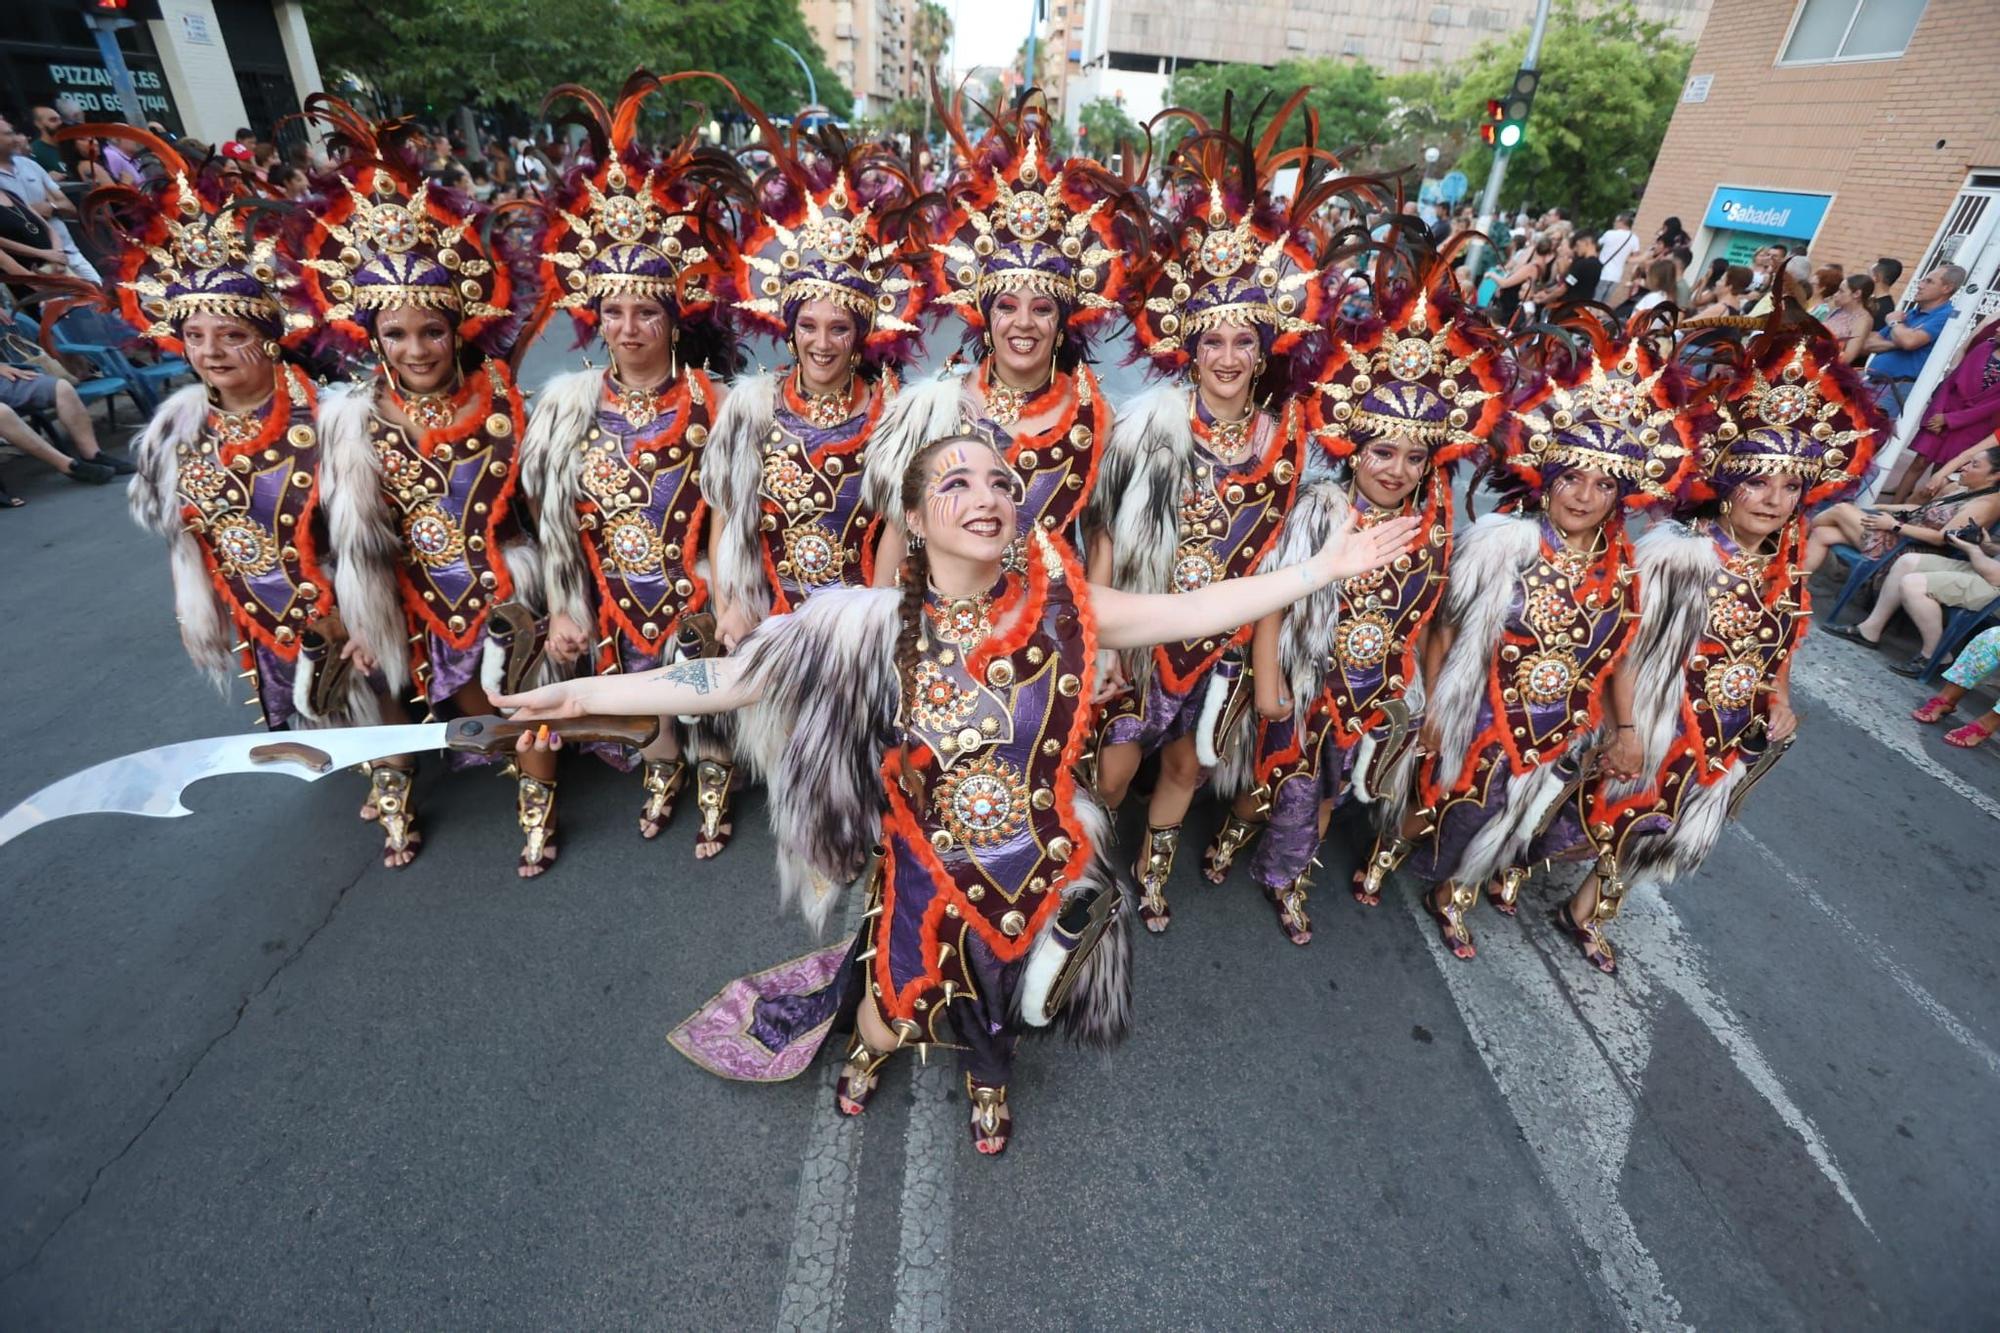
(236, 152)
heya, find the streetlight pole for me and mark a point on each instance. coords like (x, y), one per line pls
(1489, 201)
(812, 85)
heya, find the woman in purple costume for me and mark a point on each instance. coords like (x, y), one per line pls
(922, 743)
(1198, 477)
(1963, 413)
(615, 460)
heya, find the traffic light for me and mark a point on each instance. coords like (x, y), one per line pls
(135, 10)
(1507, 118)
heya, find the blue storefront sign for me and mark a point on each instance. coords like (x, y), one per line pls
(1768, 212)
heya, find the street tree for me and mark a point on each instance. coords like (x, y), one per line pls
(1349, 97)
(432, 56)
(1105, 128)
(930, 35)
(1610, 80)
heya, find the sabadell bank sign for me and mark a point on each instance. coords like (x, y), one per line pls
(1773, 212)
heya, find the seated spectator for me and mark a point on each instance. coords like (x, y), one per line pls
(1903, 342)
(1978, 660)
(1655, 286)
(1962, 413)
(23, 178)
(289, 181)
(1849, 320)
(1729, 295)
(1826, 281)
(1792, 286)
(1922, 587)
(1973, 498)
(1887, 273)
(24, 390)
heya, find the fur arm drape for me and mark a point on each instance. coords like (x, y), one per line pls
(922, 412)
(204, 625)
(1306, 635)
(732, 475)
(1478, 600)
(828, 698)
(1675, 564)
(563, 412)
(364, 537)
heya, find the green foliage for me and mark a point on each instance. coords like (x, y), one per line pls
(1610, 80)
(1350, 97)
(906, 116)
(1106, 128)
(435, 55)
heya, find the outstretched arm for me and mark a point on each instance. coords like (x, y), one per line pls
(705, 685)
(1139, 620)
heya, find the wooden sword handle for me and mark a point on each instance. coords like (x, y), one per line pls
(496, 735)
(295, 752)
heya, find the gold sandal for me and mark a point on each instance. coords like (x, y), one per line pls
(1292, 918)
(535, 809)
(1451, 918)
(665, 779)
(1507, 898)
(389, 793)
(711, 794)
(1382, 863)
(857, 1082)
(1234, 835)
(1161, 845)
(991, 1120)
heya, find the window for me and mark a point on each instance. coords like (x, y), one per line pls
(1826, 30)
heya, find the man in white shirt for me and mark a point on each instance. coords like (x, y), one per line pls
(1614, 247)
(24, 178)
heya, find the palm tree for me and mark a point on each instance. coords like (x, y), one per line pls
(930, 34)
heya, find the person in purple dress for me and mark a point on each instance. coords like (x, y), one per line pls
(921, 745)
(1725, 607)
(1537, 620)
(1962, 415)
(1341, 676)
(615, 460)
(1199, 475)
(422, 461)
(228, 468)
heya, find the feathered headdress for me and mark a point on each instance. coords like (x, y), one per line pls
(389, 239)
(636, 221)
(1024, 220)
(1425, 367)
(836, 223)
(194, 243)
(1611, 406)
(1231, 254)
(1791, 409)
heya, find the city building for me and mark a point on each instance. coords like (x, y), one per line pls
(1060, 55)
(868, 44)
(204, 68)
(1133, 47)
(1854, 128)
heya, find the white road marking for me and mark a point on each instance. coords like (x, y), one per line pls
(1873, 950)
(1819, 673)
(923, 1252)
(1573, 1108)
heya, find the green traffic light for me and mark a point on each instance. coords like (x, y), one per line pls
(1510, 135)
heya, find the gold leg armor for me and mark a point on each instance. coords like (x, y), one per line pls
(1507, 897)
(857, 1081)
(1459, 902)
(1590, 936)
(1234, 835)
(535, 808)
(989, 1115)
(1154, 871)
(711, 794)
(389, 793)
(665, 779)
(1383, 862)
(1292, 918)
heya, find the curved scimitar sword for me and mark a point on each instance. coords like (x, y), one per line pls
(151, 781)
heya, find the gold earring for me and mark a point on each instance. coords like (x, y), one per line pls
(271, 349)
(1726, 506)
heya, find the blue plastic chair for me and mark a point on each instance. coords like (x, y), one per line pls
(1860, 571)
(82, 334)
(101, 385)
(1959, 626)
(111, 336)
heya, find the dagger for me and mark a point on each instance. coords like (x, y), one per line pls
(151, 781)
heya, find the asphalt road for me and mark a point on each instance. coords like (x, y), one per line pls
(255, 1080)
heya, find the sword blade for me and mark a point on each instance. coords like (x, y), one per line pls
(151, 781)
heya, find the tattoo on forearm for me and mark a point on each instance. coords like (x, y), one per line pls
(697, 673)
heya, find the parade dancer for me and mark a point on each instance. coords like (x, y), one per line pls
(422, 465)
(1341, 676)
(614, 459)
(228, 468)
(1036, 252)
(1725, 607)
(924, 742)
(1199, 476)
(830, 269)
(1537, 617)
